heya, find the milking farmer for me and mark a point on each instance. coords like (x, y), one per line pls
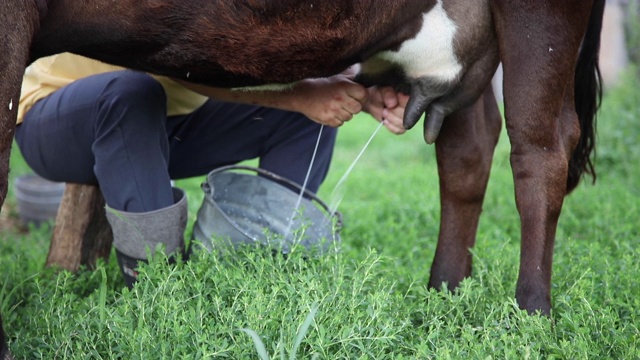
(86, 122)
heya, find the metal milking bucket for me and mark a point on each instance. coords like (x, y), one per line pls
(242, 208)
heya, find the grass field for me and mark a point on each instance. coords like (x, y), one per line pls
(370, 300)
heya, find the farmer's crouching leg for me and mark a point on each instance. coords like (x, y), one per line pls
(135, 235)
(229, 133)
(131, 153)
(109, 129)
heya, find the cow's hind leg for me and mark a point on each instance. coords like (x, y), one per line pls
(464, 151)
(539, 43)
(18, 23)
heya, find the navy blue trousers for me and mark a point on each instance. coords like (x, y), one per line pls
(113, 130)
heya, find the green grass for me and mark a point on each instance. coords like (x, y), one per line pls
(369, 301)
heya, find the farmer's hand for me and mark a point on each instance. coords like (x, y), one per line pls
(329, 101)
(387, 105)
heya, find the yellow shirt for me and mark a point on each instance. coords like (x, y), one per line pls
(49, 74)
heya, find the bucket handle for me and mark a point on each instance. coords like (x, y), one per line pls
(278, 178)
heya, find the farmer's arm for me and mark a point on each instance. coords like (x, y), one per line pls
(329, 101)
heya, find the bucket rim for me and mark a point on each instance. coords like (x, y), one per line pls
(42, 200)
(276, 178)
(33, 182)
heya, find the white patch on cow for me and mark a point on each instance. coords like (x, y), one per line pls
(430, 53)
(10, 104)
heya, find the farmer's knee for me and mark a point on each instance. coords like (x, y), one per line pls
(132, 100)
(135, 91)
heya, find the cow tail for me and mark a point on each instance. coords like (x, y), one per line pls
(588, 96)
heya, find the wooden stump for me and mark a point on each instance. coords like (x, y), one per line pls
(81, 234)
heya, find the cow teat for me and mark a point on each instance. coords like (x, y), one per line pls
(423, 99)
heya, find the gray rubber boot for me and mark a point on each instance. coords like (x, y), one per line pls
(136, 234)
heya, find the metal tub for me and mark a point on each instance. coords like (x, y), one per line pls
(240, 208)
